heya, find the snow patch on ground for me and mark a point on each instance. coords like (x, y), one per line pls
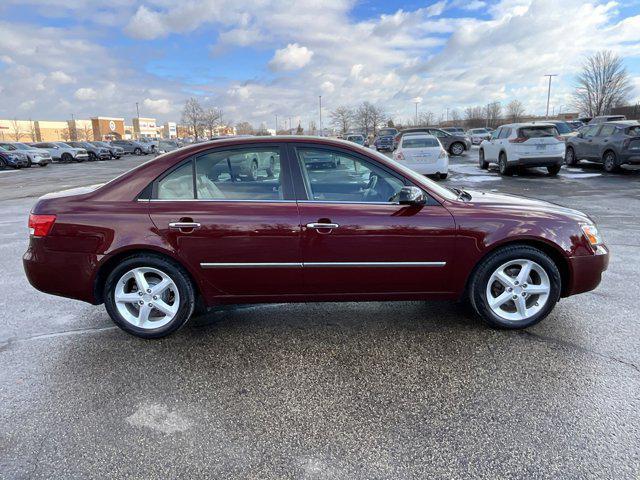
(159, 418)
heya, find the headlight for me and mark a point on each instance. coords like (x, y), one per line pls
(591, 232)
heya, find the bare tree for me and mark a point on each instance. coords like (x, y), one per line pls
(515, 111)
(192, 115)
(342, 118)
(604, 83)
(313, 129)
(86, 134)
(364, 117)
(455, 116)
(493, 113)
(378, 118)
(426, 119)
(16, 130)
(33, 132)
(65, 134)
(475, 117)
(211, 118)
(244, 128)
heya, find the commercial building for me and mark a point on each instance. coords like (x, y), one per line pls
(108, 128)
(169, 130)
(145, 127)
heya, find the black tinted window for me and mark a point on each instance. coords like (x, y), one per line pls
(537, 132)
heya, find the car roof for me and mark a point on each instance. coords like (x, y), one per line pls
(419, 134)
(545, 123)
(622, 123)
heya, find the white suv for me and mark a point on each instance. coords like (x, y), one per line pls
(523, 145)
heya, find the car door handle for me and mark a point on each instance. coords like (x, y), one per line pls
(322, 225)
(183, 225)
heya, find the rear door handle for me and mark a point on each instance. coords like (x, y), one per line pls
(322, 225)
(184, 225)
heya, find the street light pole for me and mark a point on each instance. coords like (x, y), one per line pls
(416, 119)
(276, 124)
(549, 91)
(320, 102)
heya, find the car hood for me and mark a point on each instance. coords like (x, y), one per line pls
(516, 202)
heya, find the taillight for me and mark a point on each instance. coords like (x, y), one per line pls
(399, 156)
(626, 143)
(40, 225)
(560, 137)
(518, 140)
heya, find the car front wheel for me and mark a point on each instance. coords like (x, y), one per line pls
(570, 157)
(553, 170)
(149, 296)
(137, 151)
(482, 163)
(515, 287)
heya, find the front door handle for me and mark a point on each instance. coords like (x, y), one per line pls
(322, 225)
(184, 225)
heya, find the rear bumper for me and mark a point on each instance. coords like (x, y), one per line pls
(632, 158)
(538, 161)
(586, 271)
(67, 274)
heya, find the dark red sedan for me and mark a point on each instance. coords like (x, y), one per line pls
(295, 219)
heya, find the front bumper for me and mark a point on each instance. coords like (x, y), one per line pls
(586, 271)
(82, 156)
(104, 156)
(41, 160)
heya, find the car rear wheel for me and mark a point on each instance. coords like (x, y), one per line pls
(610, 162)
(515, 287)
(570, 157)
(456, 149)
(253, 171)
(3, 163)
(43, 164)
(503, 165)
(443, 176)
(482, 163)
(553, 170)
(149, 296)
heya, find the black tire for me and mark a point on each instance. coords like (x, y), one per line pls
(484, 270)
(3, 163)
(482, 163)
(553, 170)
(456, 149)
(610, 162)
(66, 157)
(503, 165)
(138, 151)
(570, 157)
(253, 171)
(92, 157)
(29, 163)
(443, 176)
(43, 164)
(169, 267)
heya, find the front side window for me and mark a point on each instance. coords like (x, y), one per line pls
(334, 176)
(495, 134)
(607, 130)
(591, 131)
(244, 174)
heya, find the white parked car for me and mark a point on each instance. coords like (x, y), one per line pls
(423, 153)
(62, 152)
(523, 145)
(477, 135)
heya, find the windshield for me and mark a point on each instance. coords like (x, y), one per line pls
(537, 132)
(563, 127)
(8, 146)
(419, 142)
(417, 178)
(387, 131)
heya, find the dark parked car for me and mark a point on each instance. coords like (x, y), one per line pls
(454, 130)
(13, 159)
(132, 146)
(115, 152)
(612, 144)
(606, 118)
(454, 144)
(164, 238)
(95, 152)
(384, 139)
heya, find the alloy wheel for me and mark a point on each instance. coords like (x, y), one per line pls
(146, 298)
(457, 149)
(518, 289)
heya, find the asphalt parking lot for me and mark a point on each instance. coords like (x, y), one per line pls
(327, 391)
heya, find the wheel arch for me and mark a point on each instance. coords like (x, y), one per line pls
(115, 258)
(553, 251)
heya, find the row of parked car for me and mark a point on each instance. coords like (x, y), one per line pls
(24, 155)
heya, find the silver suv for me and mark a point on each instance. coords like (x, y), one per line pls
(35, 156)
(62, 152)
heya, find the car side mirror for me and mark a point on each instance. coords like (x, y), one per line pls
(411, 196)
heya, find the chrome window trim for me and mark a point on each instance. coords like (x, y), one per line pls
(217, 200)
(317, 264)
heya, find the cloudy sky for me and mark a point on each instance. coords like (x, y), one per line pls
(257, 59)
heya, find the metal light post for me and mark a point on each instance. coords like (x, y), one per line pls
(416, 119)
(276, 124)
(549, 92)
(320, 102)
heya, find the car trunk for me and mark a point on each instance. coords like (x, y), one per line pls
(536, 141)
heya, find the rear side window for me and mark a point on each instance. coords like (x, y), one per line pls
(591, 131)
(607, 130)
(412, 142)
(537, 132)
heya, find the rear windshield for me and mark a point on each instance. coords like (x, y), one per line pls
(387, 132)
(537, 132)
(412, 142)
(563, 127)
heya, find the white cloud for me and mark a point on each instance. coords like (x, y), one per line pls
(85, 93)
(59, 76)
(292, 57)
(328, 87)
(161, 105)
